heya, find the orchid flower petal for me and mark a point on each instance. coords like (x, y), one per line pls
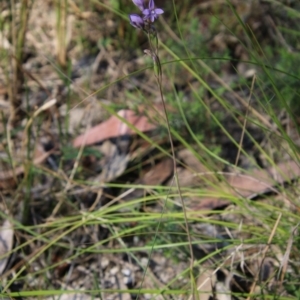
(140, 4)
(151, 4)
(136, 21)
(158, 11)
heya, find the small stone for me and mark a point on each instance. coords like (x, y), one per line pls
(144, 262)
(104, 262)
(114, 270)
(126, 272)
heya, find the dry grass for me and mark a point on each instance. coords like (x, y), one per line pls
(105, 221)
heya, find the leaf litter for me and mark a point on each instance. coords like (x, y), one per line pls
(140, 165)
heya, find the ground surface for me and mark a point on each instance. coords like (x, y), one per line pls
(85, 191)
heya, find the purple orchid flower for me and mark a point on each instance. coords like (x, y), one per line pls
(151, 13)
(136, 21)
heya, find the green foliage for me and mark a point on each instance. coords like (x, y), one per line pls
(70, 153)
(283, 72)
(292, 286)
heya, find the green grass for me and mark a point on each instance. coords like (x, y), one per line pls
(215, 111)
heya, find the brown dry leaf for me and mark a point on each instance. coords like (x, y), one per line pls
(159, 173)
(262, 181)
(196, 173)
(186, 178)
(6, 243)
(114, 127)
(155, 176)
(191, 161)
(250, 185)
(208, 203)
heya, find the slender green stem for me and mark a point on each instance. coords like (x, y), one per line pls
(158, 75)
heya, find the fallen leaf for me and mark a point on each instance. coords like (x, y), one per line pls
(191, 174)
(114, 127)
(192, 161)
(263, 181)
(249, 186)
(208, 204)
(158, 174)
(6, 243)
